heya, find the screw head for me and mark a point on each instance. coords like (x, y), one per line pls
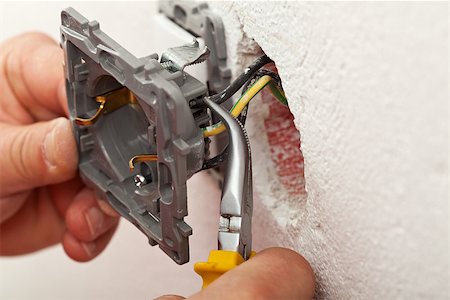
(140, 180)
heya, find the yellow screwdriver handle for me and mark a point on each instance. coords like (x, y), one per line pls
(219, 262)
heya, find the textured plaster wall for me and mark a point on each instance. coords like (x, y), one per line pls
(368, 88)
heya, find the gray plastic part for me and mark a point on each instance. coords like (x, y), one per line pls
(198, 19)
(161, 124)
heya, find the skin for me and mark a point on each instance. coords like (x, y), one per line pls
(43, 202)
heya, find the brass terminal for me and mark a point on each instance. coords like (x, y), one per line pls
(109, 102)
(141, 158)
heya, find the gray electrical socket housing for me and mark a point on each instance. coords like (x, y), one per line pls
(197, 18)
(201, 21)
(162, 123)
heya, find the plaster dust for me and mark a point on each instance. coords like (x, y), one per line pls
(368, 89)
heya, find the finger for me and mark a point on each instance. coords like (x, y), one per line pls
(32, 78)
(275, 273)
(64, 193)
(107, 209)
(36, 225)
(40, 221)
(84, 218)
(10, 205)
(85, 251)
(36, 155)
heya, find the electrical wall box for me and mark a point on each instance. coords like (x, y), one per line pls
(136, 113)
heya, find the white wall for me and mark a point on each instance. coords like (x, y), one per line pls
(367, 84)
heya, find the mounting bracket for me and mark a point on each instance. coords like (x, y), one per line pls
(198, 19)
(143, 117)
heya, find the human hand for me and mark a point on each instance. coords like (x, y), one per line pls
(42, 200)
(275, 273)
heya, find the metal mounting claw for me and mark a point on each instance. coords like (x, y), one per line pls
(141, 158)
(109, 102)
(177, 58)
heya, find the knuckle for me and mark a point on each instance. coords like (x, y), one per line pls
(77, 225)
(23, 166)
(18, 156)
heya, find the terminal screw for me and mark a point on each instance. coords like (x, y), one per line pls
(140, 180)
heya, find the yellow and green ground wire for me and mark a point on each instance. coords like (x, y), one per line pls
(239, 106)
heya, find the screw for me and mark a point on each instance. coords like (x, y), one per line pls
(140, 180)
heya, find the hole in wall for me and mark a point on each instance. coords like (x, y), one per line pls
(280, 134)
(280, 195)
(284, 144)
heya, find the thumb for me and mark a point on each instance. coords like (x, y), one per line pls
(36, 155)
(275, 273)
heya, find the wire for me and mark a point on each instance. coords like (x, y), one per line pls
(213, 129)
(216, 160)
(260, 73)
(242, 103)
(240, 81)
(243, 116)
(255, 76)
(249, 95)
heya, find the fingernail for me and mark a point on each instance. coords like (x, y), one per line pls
(95, 220)
(51, 143)
(107, 209)
(89, 248)
(59, 146)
